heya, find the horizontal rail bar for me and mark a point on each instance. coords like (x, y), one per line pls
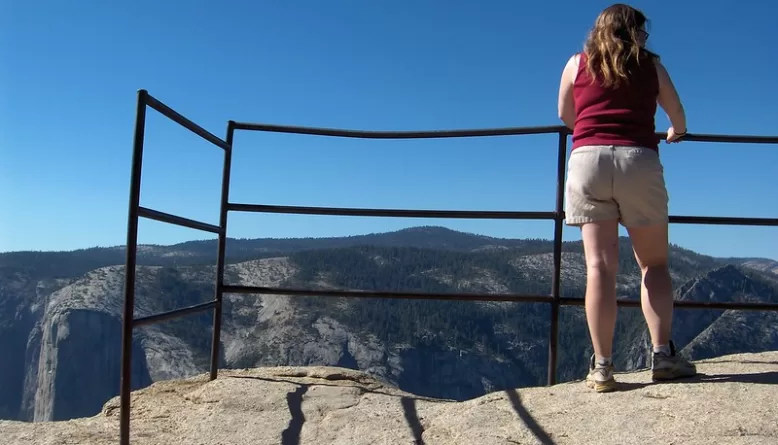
(472, 214)
(151, 319)
(228, 289)
(457, 296)
(177, 220)
(184, 122)
(477, 132)
(684, 304)
(426, 134)
(726, 305)
(726, 138)
(396, 213)
(724, 220)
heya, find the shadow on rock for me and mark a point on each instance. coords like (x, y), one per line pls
(291, 435)
(294, 399)
(761, 378)
(540, 434)
(745, 362)
(412, 417)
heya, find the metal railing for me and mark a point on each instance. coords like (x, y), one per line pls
(136, 211)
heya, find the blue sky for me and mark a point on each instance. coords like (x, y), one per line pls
(71, 71)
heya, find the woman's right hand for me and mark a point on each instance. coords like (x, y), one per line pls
(672, 136)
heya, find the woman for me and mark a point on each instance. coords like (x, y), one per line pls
(608, 97)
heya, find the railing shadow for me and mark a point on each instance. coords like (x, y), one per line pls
(292, 382)
(412, 417)
(294, 400)
(291, 435)
(762, 378)
(527, 418)
(745, 362)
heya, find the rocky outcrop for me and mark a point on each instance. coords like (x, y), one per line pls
(709, 333)
(288, 334)
(736, 331)
(167, 356)
(731, 402)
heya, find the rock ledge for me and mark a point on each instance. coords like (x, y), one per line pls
(732, 401)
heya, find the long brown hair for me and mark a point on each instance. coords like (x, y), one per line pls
(614, 42)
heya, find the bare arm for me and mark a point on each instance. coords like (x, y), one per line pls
(565, 103)
(669, 101)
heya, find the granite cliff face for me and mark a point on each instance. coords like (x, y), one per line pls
(71, 357)
(78, 365)
(20, 296)
(64, 331)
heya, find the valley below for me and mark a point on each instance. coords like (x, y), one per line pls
(60, 315)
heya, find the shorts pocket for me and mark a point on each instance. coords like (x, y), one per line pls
(639, 160)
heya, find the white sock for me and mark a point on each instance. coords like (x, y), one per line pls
(662, 349)
(604, 361)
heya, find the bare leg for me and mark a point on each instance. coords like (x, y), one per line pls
(656, 297)
(600, 240)
(650, 245)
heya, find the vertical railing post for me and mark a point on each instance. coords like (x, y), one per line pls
(556, 278)
(220, 258)
(125, 385)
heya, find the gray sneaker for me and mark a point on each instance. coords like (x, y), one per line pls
(600, 377)
(671, 367)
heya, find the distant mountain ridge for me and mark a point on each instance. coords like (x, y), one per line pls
(77, 262)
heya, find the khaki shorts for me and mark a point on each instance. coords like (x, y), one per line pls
(615, 182)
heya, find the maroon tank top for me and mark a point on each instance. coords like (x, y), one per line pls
(617, 116)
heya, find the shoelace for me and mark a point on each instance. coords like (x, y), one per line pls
(603, 370)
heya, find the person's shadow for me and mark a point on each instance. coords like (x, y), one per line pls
(761, 378)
